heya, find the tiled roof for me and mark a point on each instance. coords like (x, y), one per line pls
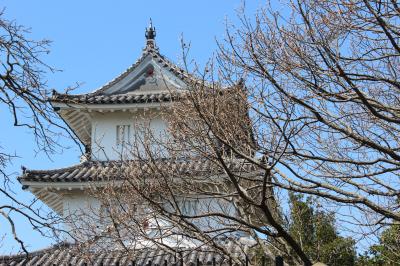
(98, 96)
(154, 53)
(65, 255)
(112, 170)
(143, 257)
(115, 98)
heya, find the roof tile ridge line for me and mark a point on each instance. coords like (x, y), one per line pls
(56, 246)
(62, 169)
(120, 76)
(186, 76)
(83, 164)
(101, 89)
(183, 74)
(173, 66)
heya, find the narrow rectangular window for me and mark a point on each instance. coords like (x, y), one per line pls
(123, 134)
(189, 206)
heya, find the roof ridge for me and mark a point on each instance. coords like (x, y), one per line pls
(85, 163)
(147, 51)
(111, 82)
(144, 54)
(27, 171)
(117, 162)
(181, 73)
(93, 170)
(37, 252)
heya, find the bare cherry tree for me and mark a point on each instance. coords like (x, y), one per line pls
(23, 93)
(303, 101)
(323, 80)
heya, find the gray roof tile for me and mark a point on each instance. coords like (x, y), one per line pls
(114, 170)
(67, 255)
(118, 98)
(98, 96)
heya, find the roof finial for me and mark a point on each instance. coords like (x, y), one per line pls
(150, 35)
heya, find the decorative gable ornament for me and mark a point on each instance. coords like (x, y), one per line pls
(151, 81)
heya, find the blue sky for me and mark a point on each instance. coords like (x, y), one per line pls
(94, 41)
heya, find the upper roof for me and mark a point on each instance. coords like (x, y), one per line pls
(152, 80)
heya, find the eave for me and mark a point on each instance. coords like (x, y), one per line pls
(50, 185)
(52, 193)
(78, 116)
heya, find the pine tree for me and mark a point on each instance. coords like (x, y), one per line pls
(315, 230)
(386, 252)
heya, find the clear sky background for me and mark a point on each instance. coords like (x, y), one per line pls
(93, 42)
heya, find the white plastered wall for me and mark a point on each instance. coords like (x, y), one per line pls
(80, 210)
(104, 132)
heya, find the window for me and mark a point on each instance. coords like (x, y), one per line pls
(189, 206)
(123, 134)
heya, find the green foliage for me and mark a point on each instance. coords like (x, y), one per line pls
(315, 230)
(387, 252)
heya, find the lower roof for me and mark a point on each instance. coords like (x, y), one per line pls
(47, 185)
(116, 170)
(67, 254)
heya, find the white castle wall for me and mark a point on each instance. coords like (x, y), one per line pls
(79, 203)
(83, 213)
(80, 209)
(104, 133)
